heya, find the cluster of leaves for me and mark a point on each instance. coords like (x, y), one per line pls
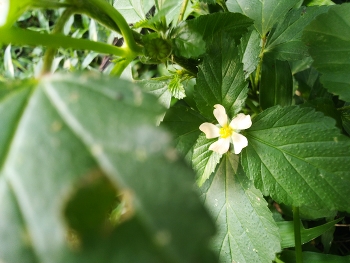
(87, 176)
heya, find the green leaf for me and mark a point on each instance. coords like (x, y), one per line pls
(265, 13)
(60, 130)
(286, 229)
(221, 79)
(249, 51)
(184, 124)
(284, 41)
(318, 2)
(133, 10)
(276, 86)
(204, 161)
(328, 39)
(246, 229)
(157, 88)
(299, 158)
(189, 35)
(288, 256)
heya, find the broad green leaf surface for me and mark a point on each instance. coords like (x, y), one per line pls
(157, 88)
(288, 256)
(286, 229)
(221, 79)
(189, 35)
(328, 39)
(133, 10)
(62, 129)
(284, 41)
(183, 122)
(204, 161)
(299, 158)
(246, 229)
(276, 85)
(249, 51)
(265, 13)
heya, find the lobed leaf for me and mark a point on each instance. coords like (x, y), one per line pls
(265, 13)
(284, 41)
(246, 229)
(221, 79)
(299, 158)
(328, 39)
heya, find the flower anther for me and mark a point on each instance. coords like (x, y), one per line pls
(227, 132)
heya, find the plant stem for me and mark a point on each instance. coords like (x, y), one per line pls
(297, 235)
(26, 37)
(120, 21)
(120, 66)
(258, 69)
(222, 3)
(50, 52)
(252, 106)
(182, 11)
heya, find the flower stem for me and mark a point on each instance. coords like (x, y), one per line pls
(252, 106)
(182, 11)
(50, 52)
(297, 235)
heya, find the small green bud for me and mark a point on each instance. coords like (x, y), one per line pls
(157, 49)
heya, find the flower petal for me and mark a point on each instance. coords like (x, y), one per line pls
(239, 142)
(210, 130)
(220, 114)
(220, 146)
(241, 122)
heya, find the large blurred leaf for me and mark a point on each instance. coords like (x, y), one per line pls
(221, 79)
(297, 156)
(246, 229)
(265, 13)
(60, 130)
(276, 86)
(284, 41)
(328, 39)
(286, 229)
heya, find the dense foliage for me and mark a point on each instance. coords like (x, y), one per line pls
(174, 131)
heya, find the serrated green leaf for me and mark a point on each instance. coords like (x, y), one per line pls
(286, 229)
(265, 13)
(328, 39)
(284, 42)
(299, 158)
(61, 129)
(184, 124)
(221, 79)
(189, 35)
(204, 161)
(246, 229)
(249, 51)
(288, 256)
(276, 86)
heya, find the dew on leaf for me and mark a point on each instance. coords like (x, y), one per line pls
(96, 149)
(163, 237)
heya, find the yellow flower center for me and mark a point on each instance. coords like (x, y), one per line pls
(225, 131)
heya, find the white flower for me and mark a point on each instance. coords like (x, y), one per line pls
(227, 132)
